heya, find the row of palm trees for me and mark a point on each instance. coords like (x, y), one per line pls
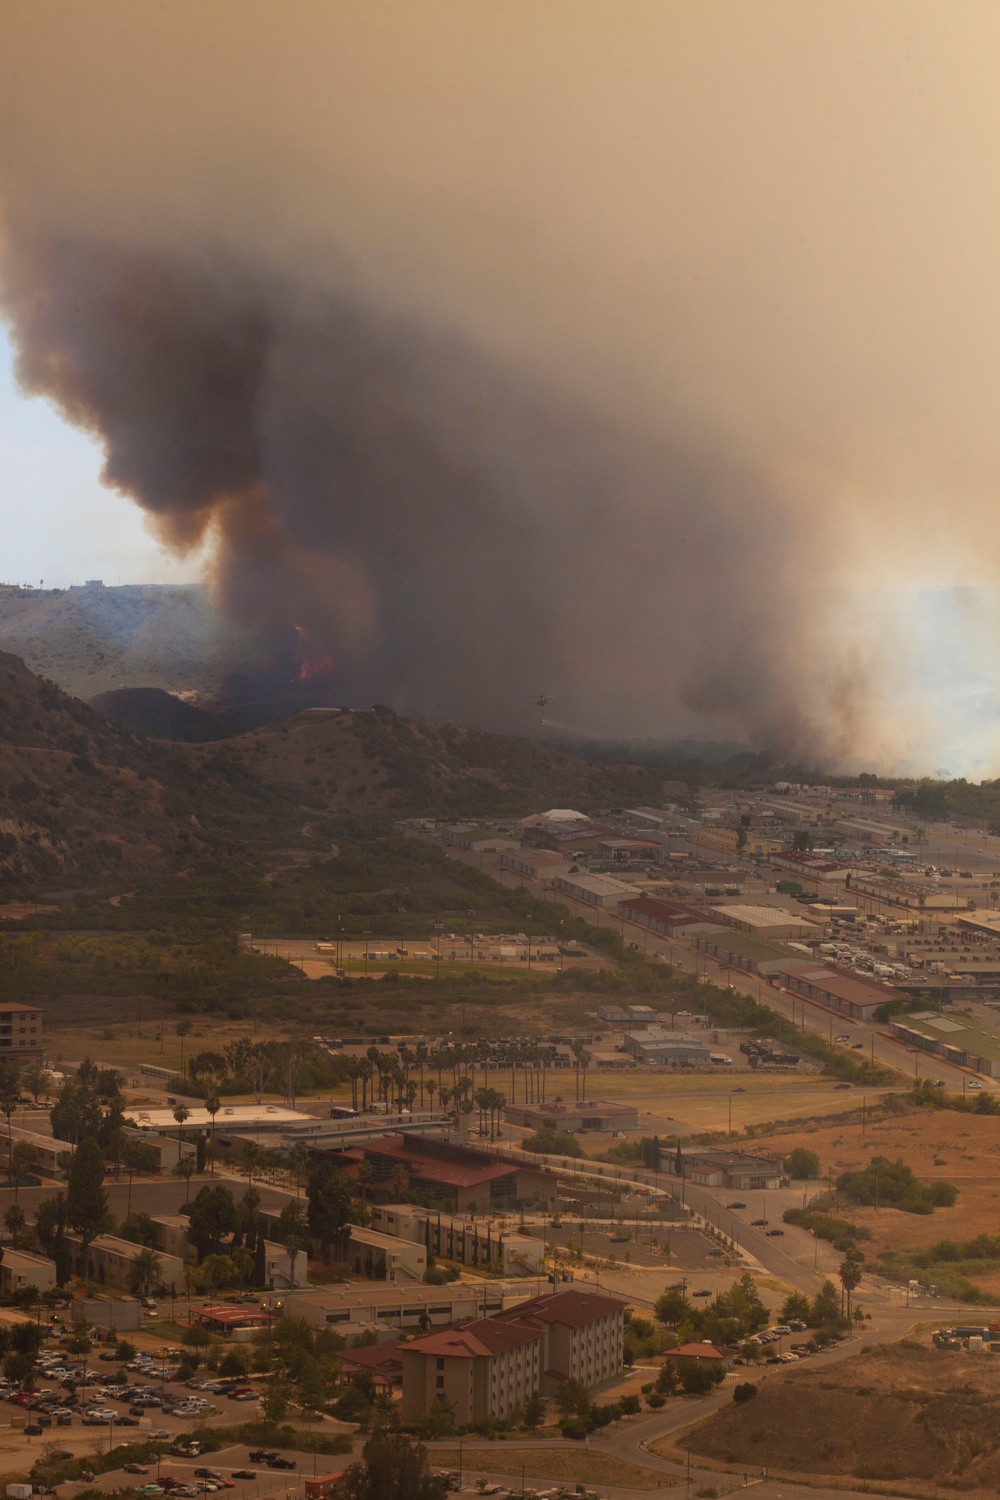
(401, 1078)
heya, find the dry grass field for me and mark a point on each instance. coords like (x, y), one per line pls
(904, 1412)
(959, 1148)
(576, 1465)
(694, 1102)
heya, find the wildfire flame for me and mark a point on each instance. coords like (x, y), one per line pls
(310, 665)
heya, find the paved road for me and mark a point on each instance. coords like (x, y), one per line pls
(809, 1014)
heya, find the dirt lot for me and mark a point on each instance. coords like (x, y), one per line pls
(900, 1412)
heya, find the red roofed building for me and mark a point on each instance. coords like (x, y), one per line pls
(668, 917)
(701, 1356)
(483, 1368)
(585, 1336)
(450, 1176)
(486, 1367)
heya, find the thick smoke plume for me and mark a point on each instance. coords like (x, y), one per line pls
(496, 369)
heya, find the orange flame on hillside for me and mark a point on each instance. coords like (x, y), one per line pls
(313, 666)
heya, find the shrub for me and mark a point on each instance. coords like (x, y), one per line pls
(744, 1392)
(802, 1163)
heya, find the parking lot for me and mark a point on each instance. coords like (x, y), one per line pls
(182, 1471)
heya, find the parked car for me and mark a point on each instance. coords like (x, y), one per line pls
(704, 1292)
(135, 1469)
(738, 1204)
(773, 1233)
(281, 1463)
(758, 1223)
(244, 1473)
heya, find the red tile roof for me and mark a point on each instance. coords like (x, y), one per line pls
(481, 1338)
(374, 1356)
(696, 1351)
(438, 1169)
(575, 1309)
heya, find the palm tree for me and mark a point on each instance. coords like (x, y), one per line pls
(213, 1104)
(145, 1272)
(22, 1159)
(14, 1220)
(298, 1158)
(186, 1168)
(181, 1113)
(431, 1088)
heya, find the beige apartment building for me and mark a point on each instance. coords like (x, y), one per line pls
(486, 1367)
(585, 1337)
(483, 1369)
(109, 1261)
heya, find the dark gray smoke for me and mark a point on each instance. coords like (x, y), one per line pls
(394, 510)
(636, 355)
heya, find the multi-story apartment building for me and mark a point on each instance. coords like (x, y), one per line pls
(20, 1032)
(486, 1367)
(585, 1336)
(483, 1369)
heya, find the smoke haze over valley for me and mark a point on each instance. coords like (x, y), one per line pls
(646, 358)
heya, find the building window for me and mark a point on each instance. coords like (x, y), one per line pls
(440, 1364)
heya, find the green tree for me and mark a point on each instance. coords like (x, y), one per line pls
(293, 1232)
(850, 1274)
(217, 1271)
(212, 1218)
(140, 1229)
(10, 1092)
(86, 1200)
(573, 1398)
(673, 1307)
(213, 1104)
(22, 1160)
(534, 1410)
(328, 1194)
(14, 1221)
(796, 1308)
(145, 1272)
(50, 1231)
(76, 1113)
(392, 1467)
(186, 1167)
(801, 1163)
(438, 1421)
(826, 1311)
(36, 1079)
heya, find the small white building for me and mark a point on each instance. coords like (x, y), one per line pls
(21, 1268)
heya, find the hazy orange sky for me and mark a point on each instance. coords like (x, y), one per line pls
(769, 230)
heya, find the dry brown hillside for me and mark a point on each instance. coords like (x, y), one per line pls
(901, 1412)
(81, 798)
(93, 640)
(374, 759)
